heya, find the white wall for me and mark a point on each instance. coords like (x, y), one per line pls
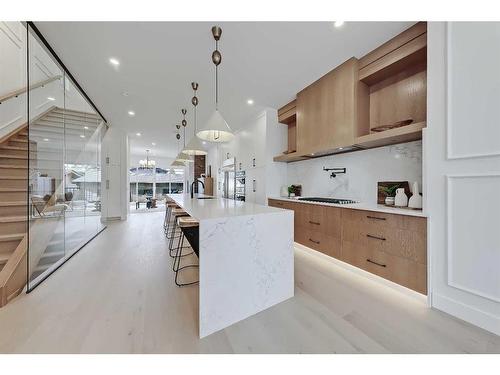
(462, 165)
(260, 138)
(365, 168)
(13, 76)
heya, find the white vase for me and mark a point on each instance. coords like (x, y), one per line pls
(415, 200)
(401, 200)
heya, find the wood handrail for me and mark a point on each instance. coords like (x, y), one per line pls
(24, 125)
(15, 94)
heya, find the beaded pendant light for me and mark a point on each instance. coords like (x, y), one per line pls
(195, 145)
(182, 156)
(216, 129)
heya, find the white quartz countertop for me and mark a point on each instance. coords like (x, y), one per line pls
(202, 209)
(362, 206)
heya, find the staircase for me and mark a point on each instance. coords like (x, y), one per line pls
(13, 205)
(55, 133)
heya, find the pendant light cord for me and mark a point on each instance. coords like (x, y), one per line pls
(216, 80)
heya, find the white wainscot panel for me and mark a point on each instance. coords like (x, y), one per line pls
(473, 58)
(473, 217)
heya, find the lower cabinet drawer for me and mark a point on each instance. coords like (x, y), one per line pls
(397, 269)
(397, 242)
(319, 241)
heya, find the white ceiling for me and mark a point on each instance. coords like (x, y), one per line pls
(266, 61)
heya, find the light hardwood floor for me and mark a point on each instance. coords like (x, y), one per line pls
(117, 296)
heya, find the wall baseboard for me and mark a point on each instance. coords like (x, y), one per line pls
(114, 218)
(466, 313)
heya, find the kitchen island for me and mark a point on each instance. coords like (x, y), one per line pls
(245, 258)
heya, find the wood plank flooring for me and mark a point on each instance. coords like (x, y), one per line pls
(117, 296)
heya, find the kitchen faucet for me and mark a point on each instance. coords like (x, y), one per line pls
(192, 186)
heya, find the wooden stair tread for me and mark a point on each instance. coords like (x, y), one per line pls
(13, 178)
(6, 190)
(10, 166)
(12, 237)
(17, 148)
(13, 203)
(12, 219)
(7, 156)
(4, 257)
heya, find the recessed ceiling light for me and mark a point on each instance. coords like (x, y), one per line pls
(341, 148)
(82, 136)
(46, 139)
(138, 134)
(51, 98)
(338, 23)
(114, 61)
(203, 142)
(250, 101)
(153, 144)
(131, 113)
(86, 127)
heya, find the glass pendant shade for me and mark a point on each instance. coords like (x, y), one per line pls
(216, 129)
(177, 163)
(183, 157)
(195, 147)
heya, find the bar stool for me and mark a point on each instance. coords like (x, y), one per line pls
(190, 230)
(176, 213)
(167, 221)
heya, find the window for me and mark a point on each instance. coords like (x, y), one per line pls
(155, 183)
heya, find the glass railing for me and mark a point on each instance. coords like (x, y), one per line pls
(64, 187)
(50, 162)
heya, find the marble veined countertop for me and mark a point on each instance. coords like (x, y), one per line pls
(203, 209)
(246, 258)
(362, 206)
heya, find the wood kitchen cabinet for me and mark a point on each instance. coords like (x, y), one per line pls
(391, 246)
(326, 111)
(378, 100)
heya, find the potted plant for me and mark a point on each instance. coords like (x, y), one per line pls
(291, 191)
(390, 193)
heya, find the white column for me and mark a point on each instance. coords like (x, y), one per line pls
(115, 174)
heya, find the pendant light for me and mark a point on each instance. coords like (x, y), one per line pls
(182, 156)
(216, 129)
(178, 162)
(195, 146)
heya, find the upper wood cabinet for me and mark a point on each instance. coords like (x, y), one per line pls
(378, 100)
(326, 111)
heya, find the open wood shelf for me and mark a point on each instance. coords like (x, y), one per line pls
(412, 53)
(393, 88)
(286, 158)
(403, 134)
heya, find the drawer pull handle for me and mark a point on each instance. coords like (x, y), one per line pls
(378, 264)
(316, 242)
(314, 222)
(375, 217)
(375, 237)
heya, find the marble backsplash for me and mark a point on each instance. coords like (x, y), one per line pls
(402, 162)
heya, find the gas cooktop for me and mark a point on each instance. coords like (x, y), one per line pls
(328, 200)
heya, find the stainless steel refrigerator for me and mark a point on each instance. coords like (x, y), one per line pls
(228, 177)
